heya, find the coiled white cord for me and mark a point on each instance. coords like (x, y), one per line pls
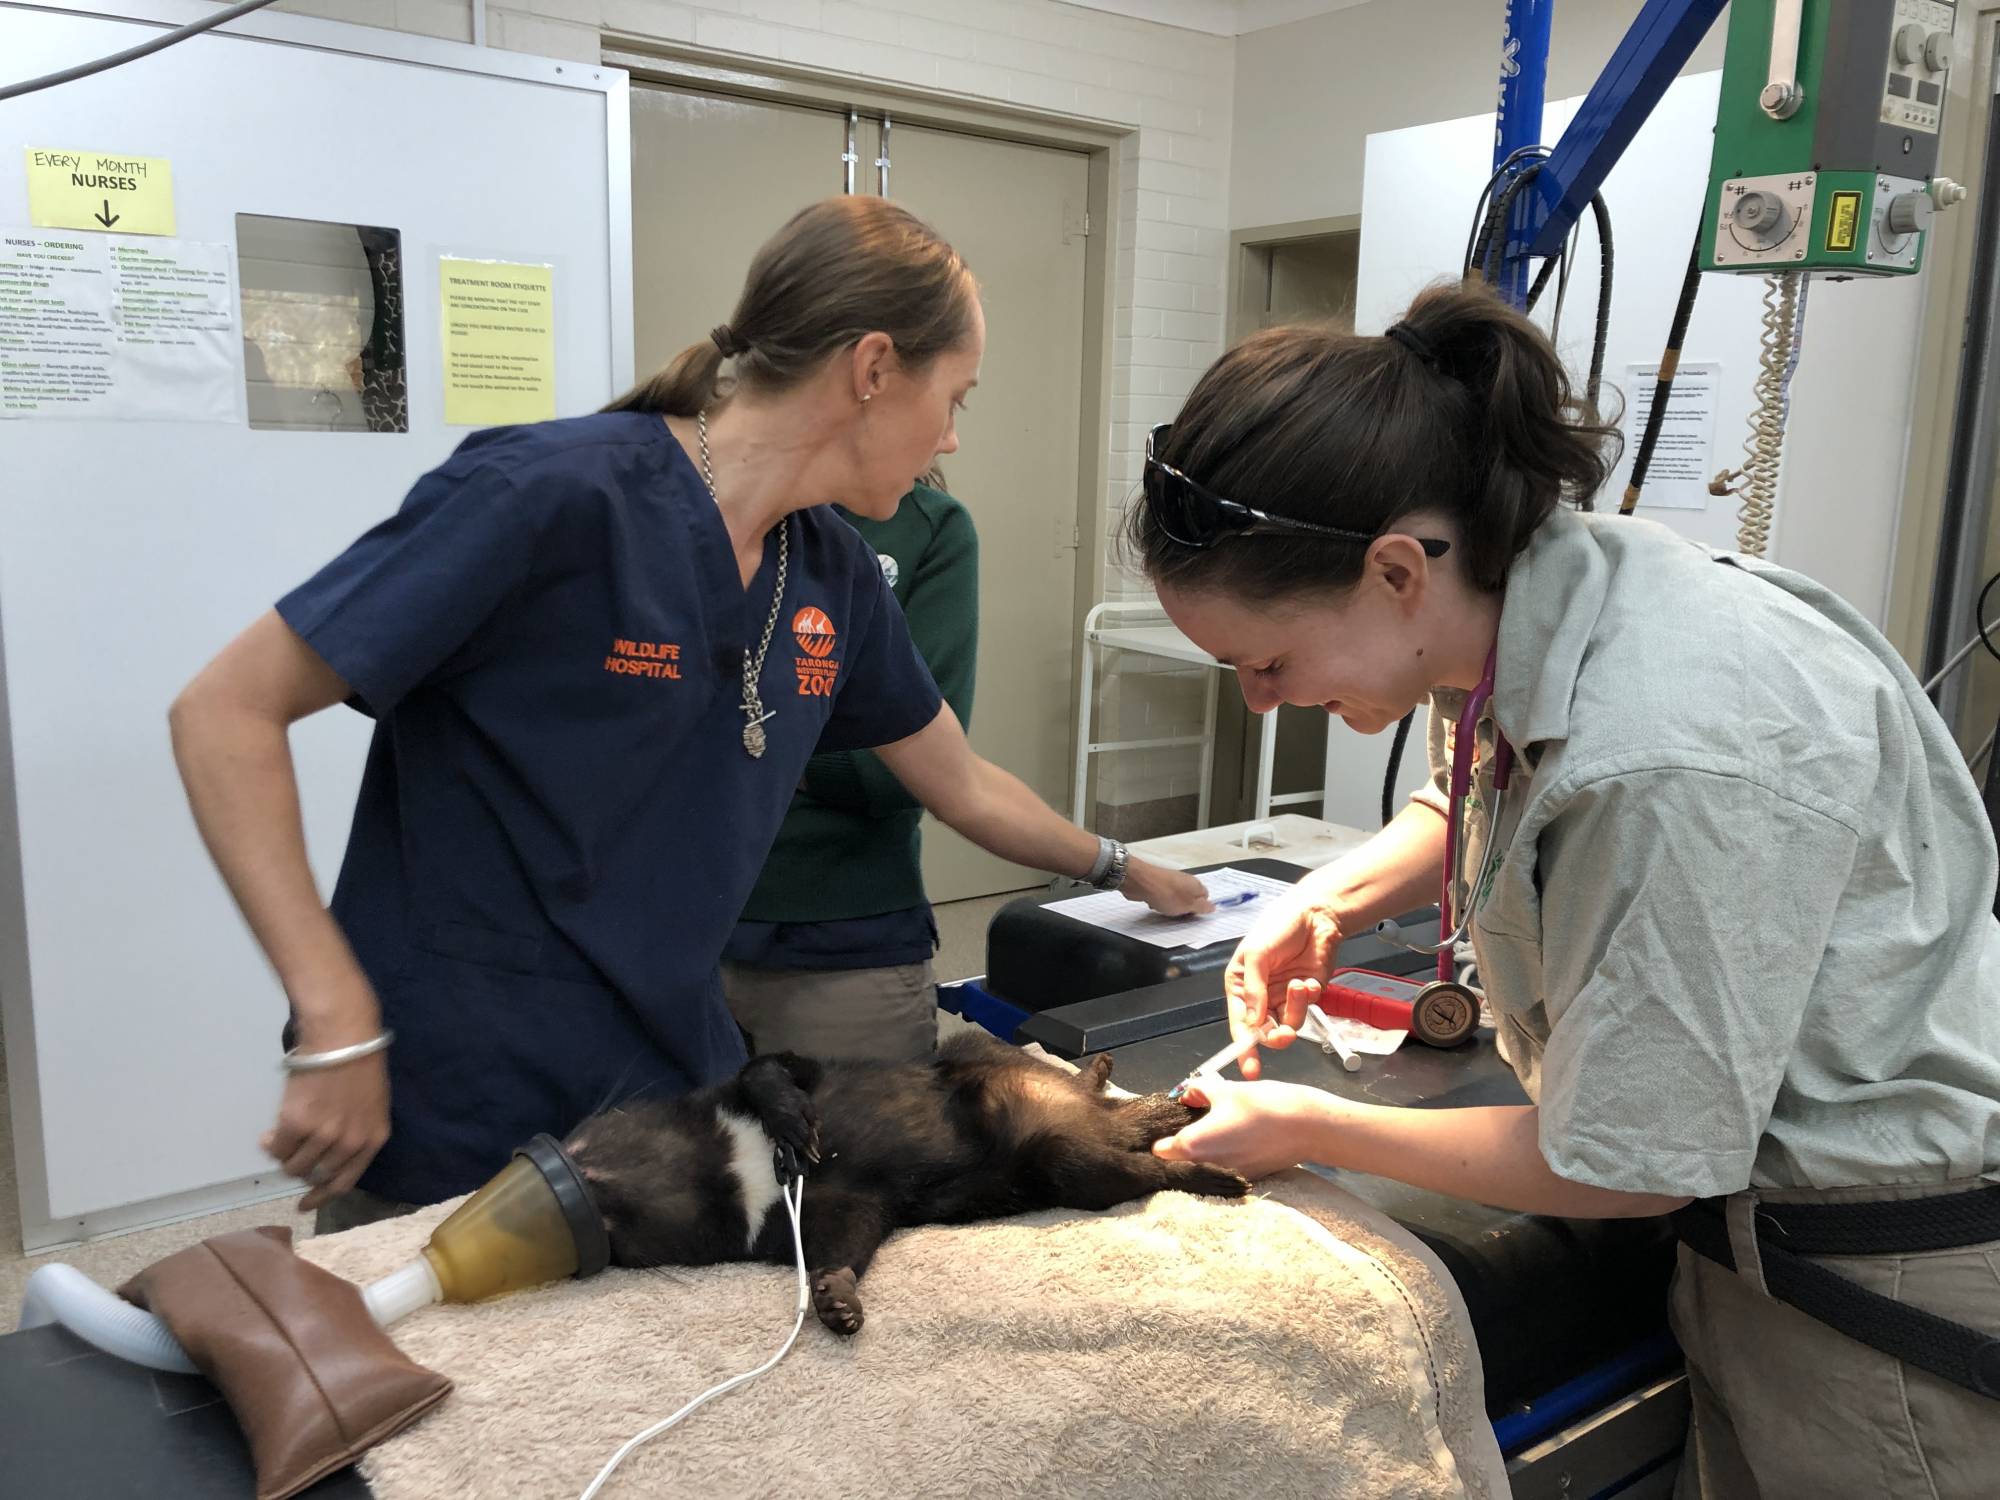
(1784, 317)
(795, 1197)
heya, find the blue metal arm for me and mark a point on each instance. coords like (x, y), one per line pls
(1651, 56)
(1524, 87)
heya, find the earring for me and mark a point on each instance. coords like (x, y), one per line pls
(869, 396)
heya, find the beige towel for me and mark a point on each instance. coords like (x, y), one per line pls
(1173, 1347)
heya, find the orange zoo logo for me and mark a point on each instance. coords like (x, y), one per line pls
(814, 631)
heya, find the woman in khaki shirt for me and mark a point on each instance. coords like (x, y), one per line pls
(1739, 938)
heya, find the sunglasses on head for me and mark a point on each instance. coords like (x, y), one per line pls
(1196, 517)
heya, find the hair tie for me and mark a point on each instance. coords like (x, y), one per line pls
(1413, 341)
(724, 338)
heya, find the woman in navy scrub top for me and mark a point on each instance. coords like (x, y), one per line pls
(598, 653)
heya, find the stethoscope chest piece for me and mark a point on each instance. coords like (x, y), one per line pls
(1444, 1013)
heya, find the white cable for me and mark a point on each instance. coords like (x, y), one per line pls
(1565, 257)
(794, 1203)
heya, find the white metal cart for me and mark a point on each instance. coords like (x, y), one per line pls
(1141, 627)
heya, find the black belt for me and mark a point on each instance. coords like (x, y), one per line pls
(1789, 1232)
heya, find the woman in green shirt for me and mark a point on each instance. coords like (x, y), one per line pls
(832, 957)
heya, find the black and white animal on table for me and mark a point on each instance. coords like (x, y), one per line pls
(980, 1131)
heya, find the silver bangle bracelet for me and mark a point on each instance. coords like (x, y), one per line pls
(296, 1061)
(1113, 875)
(1102, 863)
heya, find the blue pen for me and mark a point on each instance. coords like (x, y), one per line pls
(1241, 898)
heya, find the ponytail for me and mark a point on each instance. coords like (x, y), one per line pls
(1539, 443)
(1463, 410)
(682, 389)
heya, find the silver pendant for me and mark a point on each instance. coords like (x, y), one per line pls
(753, 731)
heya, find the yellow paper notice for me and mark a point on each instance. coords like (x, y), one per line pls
(499, 342)
(95, 190)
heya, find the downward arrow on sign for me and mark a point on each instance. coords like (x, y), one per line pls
(107, 218)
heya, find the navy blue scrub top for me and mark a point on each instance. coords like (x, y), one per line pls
(558, 824)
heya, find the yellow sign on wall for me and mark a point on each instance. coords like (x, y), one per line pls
(95, 190)
(499, 342)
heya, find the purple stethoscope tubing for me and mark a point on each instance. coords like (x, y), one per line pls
(1464, 749)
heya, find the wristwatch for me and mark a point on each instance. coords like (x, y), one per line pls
(1107, 872)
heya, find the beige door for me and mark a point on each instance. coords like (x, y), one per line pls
(713, 177)
(1015, 213)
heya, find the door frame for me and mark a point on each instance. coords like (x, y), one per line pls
(1238, 319)
(649, 61)
(1233, 775)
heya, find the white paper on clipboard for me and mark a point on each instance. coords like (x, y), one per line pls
(1113, 913)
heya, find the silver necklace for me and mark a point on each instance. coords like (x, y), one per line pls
(754, 712)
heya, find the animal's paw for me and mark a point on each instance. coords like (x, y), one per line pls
(837, 1301)
(1212, 1181)
(784, 1109)
(793, 1125)
(1156, 1116)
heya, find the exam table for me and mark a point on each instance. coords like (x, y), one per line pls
(1583, 1382)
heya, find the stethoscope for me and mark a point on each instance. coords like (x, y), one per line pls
(1446, 990)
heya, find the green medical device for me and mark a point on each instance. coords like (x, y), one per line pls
(1826, 137)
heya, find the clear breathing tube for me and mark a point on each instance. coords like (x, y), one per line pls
(62, 1294)
(532, 1223)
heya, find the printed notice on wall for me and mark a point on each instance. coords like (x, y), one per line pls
(499, 342)
(96, 191)
(1683, 458)
(117, 330)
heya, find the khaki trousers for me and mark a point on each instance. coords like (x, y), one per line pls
(1785, 1408)
(844, 1015)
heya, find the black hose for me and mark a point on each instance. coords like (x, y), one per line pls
(1496, 219)
(1670, 363)
(1486, 198)
(1979, 618)
(1602, 338)
(1395, 766)
(1491, 251)
(1542, 279)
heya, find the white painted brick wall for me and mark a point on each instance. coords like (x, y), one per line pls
(1170, 90)
(450, 20)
